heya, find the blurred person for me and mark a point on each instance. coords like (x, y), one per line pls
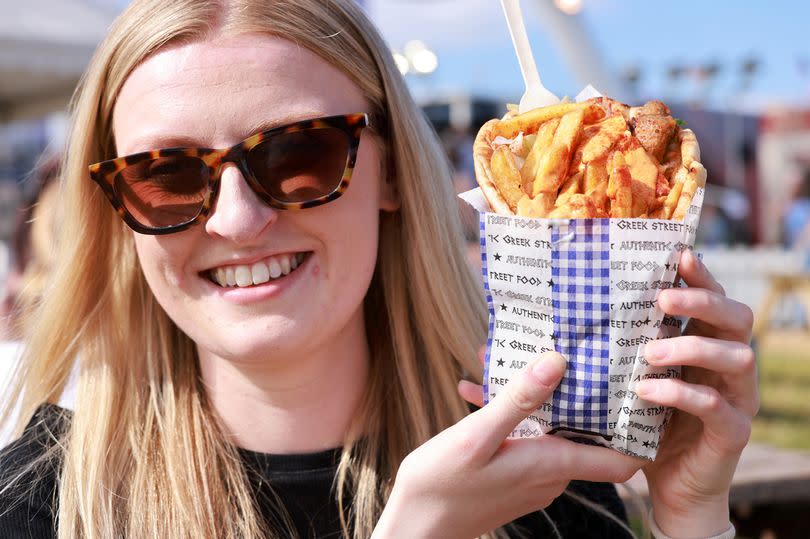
(32, 248)
(796, 221)
(32, 261)
(279, 338)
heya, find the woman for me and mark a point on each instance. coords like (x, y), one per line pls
(198, 387)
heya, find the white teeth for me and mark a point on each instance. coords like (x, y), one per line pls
(244, 277)
(275, 268)
(258, 273)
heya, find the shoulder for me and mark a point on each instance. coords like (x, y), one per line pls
(578, 512)
(29, 471)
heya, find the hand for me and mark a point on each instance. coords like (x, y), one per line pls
(470, 479)
(714, 403)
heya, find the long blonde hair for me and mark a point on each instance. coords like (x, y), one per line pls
(145, 455)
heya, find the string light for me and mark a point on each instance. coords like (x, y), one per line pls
(569, 7)
(416, 58)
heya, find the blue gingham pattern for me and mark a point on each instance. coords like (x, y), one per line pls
(488, 295)
(581, 299)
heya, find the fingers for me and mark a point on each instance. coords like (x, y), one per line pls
(726, 428)
(471, 392)
(482, 355)
(696, 274)
(730, 318)
(521, 396)
(705, 302)
(565, 460)
(727, 357)
(734, 360)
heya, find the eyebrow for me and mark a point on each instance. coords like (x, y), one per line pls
(159, 141)
(279, 122)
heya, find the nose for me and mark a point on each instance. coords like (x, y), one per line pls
(238, 215)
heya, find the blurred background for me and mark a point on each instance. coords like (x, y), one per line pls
(738, 74)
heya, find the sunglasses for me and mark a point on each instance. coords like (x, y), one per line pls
(296, 166)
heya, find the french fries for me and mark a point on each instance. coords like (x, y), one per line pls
(583, 160)
(544, 138)
(553, 166)
(530, 121)
(507, 176)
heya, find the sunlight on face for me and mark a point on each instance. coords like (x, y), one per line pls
(214, 94)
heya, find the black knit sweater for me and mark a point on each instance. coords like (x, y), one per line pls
(303, 483)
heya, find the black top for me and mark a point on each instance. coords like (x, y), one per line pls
(302, 482)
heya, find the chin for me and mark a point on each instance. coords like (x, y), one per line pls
(257, 345)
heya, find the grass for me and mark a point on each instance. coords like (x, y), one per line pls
(784, 383)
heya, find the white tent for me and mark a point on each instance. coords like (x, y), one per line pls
(45, 46)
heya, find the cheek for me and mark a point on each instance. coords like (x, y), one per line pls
(161, 262)
(349, 231)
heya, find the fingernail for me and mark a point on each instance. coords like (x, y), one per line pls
(644, 389)
(654, 350)
(549, 368)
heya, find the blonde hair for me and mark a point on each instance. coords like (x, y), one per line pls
(145, 455)
(33, 246)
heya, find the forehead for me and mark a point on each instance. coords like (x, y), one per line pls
(216, 92)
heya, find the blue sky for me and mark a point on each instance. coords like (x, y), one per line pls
(475, 52)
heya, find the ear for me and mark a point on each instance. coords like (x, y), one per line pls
(389, 196)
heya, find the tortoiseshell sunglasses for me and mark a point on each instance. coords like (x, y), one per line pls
(296, 166)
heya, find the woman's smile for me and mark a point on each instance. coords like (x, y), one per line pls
(257, 273)
(261, 281)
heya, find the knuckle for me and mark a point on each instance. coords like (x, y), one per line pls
(409, 467)
(564, 461)
(524, 396)
(623, 473)
(744, 435)
(691, 345)
(715, 300)
(466, 445)
(714, 402)
(755, 404)
(747, 359)
(746, 316)
(522, 399)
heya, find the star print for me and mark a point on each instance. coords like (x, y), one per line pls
(550, 282)
(500, 363)
(666, 266)
(503, 306)
(647, 321)
(646, 443)
(553, 336)
(497, 257)
(550, 226)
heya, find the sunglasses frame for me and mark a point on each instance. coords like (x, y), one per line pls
(104, 173)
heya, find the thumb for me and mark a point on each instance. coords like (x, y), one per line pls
(521, 396)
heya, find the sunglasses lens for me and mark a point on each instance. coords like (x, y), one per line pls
(166, 191)
(300, 166)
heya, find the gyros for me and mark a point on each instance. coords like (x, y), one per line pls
(598, 158)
